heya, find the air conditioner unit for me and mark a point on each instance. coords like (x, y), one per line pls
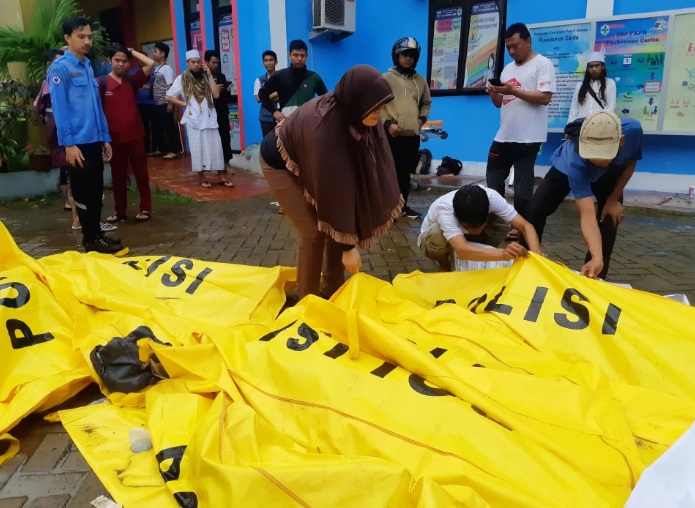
(334, 15)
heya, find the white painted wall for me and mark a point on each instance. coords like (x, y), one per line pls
(599, 8)
(278, 31)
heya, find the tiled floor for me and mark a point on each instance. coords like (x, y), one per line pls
(176, 176)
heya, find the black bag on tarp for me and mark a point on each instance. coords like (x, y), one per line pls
(118, 363)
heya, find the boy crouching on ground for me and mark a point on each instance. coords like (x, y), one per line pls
(460, 217)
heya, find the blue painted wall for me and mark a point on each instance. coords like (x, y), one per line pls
(471, 121)
(207, 20)
(179, 31)
(254, 38)
(639, 6)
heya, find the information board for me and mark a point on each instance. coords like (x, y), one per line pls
(445, 48)
(567, 46)
(226, 45)
(679, 111)
(481, 49)
(196, 36)
(635, 54)
(651, 58)
(466, 46)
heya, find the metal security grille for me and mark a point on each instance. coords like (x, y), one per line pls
(335, 12)
(317, 12)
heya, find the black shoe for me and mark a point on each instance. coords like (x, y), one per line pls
(103, 246)
(108, 239)
(410, 213)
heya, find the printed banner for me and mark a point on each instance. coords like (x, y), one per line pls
(481, 53)
(196, 36)
(635, 53)
(445, 48)
(226, 45)
(235, 126)
(680, 99)
(567, 46)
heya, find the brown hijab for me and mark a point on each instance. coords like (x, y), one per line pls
(346, 168)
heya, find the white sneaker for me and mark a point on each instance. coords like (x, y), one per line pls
(106, 227)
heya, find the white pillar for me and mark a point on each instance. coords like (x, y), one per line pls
(599, 8)
(278, 31)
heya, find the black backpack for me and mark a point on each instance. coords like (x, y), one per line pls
(425, 161)
(572, 131)
(449, 166)
(573, 128)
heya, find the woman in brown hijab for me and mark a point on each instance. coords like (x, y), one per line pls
(331, 170)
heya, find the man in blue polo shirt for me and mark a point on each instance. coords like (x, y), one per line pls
(597, 164)
(82, 130)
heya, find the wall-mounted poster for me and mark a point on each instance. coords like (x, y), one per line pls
(679, 112)
(567, 46)
(635, 53)
(446, 44)
(226, 45)
(235, 127)
(481, 50)
(196, 36)
(148, 48)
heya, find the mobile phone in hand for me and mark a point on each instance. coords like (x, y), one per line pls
(495, 81)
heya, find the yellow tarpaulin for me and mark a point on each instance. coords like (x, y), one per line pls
(525, 386)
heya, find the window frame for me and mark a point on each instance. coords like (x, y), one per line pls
(467, 10)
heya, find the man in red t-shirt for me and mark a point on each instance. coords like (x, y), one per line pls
(119, 92)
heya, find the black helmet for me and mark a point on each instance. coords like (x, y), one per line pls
(406, 44)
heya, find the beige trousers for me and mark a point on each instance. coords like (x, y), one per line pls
(316, 251)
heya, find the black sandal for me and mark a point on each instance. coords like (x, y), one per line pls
(142, 216)
(116, 218)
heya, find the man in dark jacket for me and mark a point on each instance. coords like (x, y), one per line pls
(212, 57)
(294, 86)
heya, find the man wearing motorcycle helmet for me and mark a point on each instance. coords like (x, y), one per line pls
(404, 116)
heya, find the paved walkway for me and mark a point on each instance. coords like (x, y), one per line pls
(175, 176)
(655, 251)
